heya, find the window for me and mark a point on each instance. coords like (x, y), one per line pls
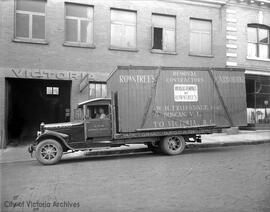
(97, 90)
(123, 29)
(200, 37)
(258, 41)
(52, 91)
(163, 33)
(258, 99)
(30, 20)
(79, 23)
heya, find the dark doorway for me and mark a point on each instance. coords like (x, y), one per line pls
(30, 102)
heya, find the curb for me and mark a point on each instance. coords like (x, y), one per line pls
(225, 144)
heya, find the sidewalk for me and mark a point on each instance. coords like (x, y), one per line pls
(20, 153)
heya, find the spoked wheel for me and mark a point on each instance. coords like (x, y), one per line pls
(172, 145)
(49, 152)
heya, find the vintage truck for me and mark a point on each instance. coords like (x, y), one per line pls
(162, 107)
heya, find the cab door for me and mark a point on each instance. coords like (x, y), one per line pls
(96, 127)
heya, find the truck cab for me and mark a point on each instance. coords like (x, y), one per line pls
(97, 119)
(92, 130)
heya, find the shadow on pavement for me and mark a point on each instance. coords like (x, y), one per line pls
(194, 150)
(143, 154)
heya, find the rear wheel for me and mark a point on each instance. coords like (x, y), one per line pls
(172, 145)
(49, 152)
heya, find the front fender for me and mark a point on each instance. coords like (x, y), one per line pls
(63, 138)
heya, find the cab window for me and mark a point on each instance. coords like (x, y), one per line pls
(97, 112)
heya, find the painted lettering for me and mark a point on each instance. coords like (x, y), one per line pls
(182, 123)
(136, 79)
(18, 73)
(230, 79)
(60, 75)
(184, 73)
(36, 74)
(175, 114)
(181, 107)
(185, 80)
(48, 74)
(159, 124)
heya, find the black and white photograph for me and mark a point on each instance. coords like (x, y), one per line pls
(135, 105)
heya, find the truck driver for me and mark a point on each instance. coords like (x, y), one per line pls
(101, 114)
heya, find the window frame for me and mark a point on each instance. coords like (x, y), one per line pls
(30, 14)
(119, 48)
(257, 27)
(153, 26)
(211, 36)
(78, 19)
(99, 83)
(53, 91)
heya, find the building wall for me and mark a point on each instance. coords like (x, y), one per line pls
(243, 14)
(238, 15)
(56, 56)
(28, 59)
(246, 16)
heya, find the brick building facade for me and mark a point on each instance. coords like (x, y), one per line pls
(52, 48)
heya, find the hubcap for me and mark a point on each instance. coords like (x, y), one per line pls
(174, 143)
(48, 151)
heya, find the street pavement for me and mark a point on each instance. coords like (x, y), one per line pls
(20, 153)
(214, 179)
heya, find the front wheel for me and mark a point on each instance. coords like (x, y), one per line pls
(49, 152)
(172, 145)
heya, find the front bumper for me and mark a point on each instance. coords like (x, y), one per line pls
(31, 149)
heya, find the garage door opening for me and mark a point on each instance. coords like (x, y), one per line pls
(30, 102)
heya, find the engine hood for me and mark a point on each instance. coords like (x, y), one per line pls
(62, 125)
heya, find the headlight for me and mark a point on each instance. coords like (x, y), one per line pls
(38, 133)
(42, 125)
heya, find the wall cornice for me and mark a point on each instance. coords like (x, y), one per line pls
(205, 3)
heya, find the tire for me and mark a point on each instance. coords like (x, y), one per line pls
(49, 152)
(172, 145)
